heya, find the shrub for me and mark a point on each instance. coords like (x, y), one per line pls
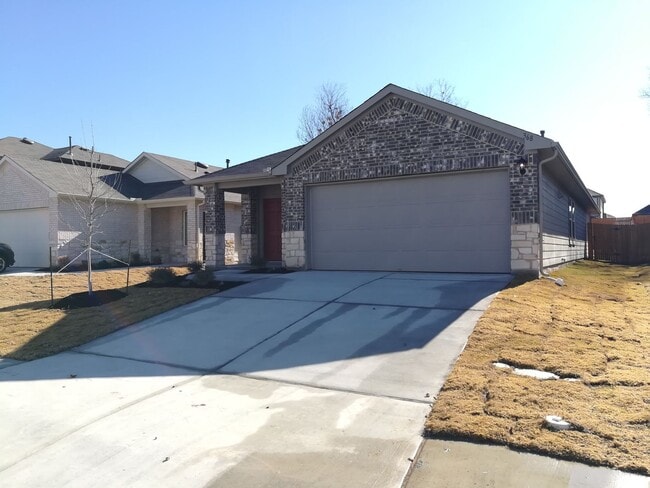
(162, 276)
(61, 261)
(136, 259)
(195, 266)
(156, 260)
(204, 277)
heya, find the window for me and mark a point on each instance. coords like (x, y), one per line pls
(184, 227)
(572, 223)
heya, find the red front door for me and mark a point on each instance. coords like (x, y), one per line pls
(272, 209)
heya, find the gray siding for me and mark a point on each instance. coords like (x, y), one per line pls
(557, 248)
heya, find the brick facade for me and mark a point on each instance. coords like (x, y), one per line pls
(401, 138)
(116, 227)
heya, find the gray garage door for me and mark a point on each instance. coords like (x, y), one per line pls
(27, 231)
(453, 223)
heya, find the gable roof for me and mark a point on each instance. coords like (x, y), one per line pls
(644, 211)
(182, 167)
(531, 141)
(256, 167)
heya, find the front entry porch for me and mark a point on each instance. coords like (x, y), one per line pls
(261, 226)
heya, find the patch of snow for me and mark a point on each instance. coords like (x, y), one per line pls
(535, 373)
(501, 365)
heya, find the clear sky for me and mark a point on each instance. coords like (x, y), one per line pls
(210, 80)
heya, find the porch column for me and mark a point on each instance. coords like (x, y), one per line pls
(192, 233)
(249, 226)
(144, 233)
(215, 226)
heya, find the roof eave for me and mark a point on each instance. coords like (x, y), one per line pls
(566, 162)
(210, 179)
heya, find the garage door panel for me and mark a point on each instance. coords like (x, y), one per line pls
(27, 232)
(432, 223)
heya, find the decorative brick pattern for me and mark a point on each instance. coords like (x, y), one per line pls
(400, 138)
(215, 226)
(250, 211)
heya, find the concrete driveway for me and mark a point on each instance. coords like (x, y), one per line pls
(304, 379)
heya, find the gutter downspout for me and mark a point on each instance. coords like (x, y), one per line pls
(540, 213)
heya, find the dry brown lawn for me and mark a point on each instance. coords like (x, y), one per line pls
(29, 329)
(595, 329)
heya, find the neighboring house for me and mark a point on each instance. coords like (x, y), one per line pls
(405, 182)
(149, 206)
(644, 211)
(600, 201)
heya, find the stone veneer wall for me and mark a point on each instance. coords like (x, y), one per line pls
(399, 137)
(524, 248)
(215, 226)
(249, 226)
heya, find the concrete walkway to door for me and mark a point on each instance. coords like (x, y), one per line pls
(303, 379)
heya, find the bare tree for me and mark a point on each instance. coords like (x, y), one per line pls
(442, 90)
(331, 105)
(93, 189)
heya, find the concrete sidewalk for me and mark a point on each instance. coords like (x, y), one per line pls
(455, 464)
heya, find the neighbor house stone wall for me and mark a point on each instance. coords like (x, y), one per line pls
(233, 233)
(402, 138)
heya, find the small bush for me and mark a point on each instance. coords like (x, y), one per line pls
(162, 276)
(136, 259)
(204, 277)
(258, 262)
(156, 260)
(195, 266)
(103, 264)
(61, 261)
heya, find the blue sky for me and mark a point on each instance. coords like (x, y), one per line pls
(210, 80)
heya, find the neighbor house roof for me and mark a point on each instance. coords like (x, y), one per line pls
(260, 166)
(183, 167)
(14, 146)
(644, 211)
(54, 169)
(66, 179)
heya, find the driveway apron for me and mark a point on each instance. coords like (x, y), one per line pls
(303, 379)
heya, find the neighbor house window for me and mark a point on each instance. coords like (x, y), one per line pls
(572, 223)
(184, 227)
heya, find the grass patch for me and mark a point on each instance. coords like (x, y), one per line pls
(29, 329)
(596, 329)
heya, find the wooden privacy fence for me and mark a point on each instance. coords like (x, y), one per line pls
(619, 243)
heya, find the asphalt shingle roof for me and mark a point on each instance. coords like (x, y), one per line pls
(644, 211)
(54, 169)
(183, 166)
(254, 166)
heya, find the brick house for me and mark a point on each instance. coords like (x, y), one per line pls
(405, 182)
(149, 206)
